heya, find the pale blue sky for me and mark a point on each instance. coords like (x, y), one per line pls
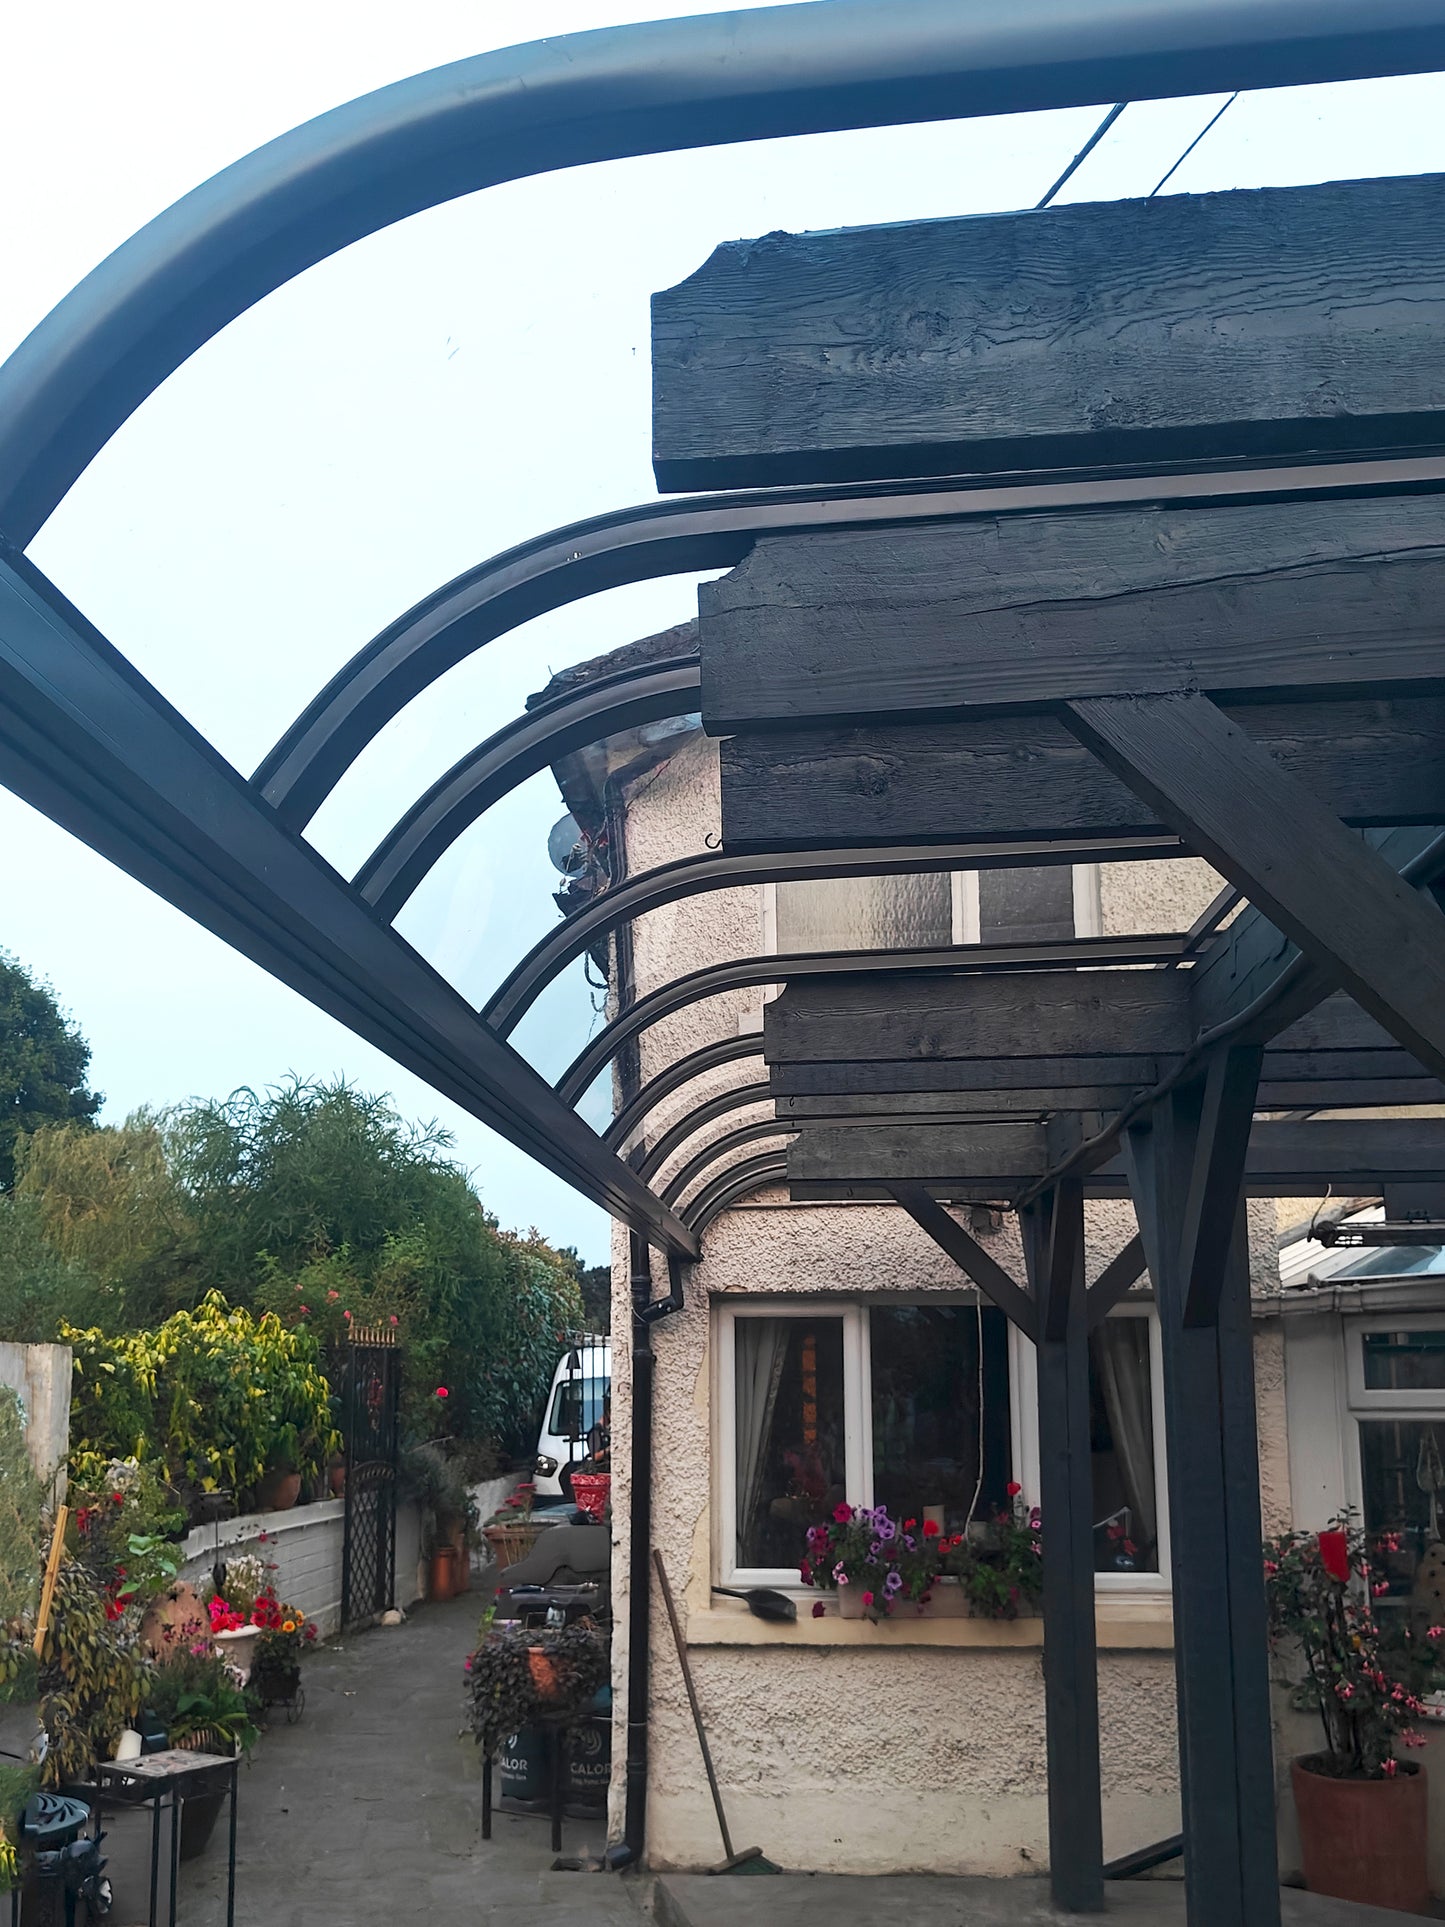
(432, 395)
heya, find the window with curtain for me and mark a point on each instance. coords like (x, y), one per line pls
(901, 1404)
(1122, 1445)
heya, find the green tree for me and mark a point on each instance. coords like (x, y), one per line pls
(43, 1063)
(40, 1290)
(108, 1200)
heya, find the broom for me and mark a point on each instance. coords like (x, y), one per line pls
(751, 1859)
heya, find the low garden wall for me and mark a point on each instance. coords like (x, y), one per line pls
(305, 1546)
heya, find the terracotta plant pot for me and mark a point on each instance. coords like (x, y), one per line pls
(443, 1574)
(279, 1491)
(543, 1669)
(1363, 1840)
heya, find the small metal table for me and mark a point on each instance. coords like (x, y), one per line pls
(177, 1776)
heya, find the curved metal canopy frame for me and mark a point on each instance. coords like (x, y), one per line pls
(737, 1097)
(689, 1173)
(687, 537)
(682, 1070)
(675, 84)
(944, 961)
(573, 720)
(751, 1174)
(700, 875)
(555, 104)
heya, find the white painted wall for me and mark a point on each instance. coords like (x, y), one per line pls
(305, 1546)
(40, 1376)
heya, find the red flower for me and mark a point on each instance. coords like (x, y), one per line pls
(867, 1599)
(1013, 1488)
(442, 1391)
(805, 1573)
(930, 1529)
(117, 1498)
(1335, 1554)
(909, 1524)
(819, 1609)
(842, 1515)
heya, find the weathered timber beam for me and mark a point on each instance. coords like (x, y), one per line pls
(969, 1255)
(1106, 1016)
(999, 1160)
(1285, 600)
(1226, 1104)
(881, 1103)
(1012, 778)
(1118, 1277)
(1340, 901)
(946, 347)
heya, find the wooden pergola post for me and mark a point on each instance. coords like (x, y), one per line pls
(1053, 1232)
(1225, 1745)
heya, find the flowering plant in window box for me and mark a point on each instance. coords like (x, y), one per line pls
(1000, 1564)
(873, 1562)
(1361, 1808)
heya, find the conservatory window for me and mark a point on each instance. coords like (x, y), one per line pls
(1397, 1395)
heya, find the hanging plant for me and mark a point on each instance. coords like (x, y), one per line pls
(518, 1673)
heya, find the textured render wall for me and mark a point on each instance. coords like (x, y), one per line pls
(1138, 899)
(905, 1756)
(897, 1756)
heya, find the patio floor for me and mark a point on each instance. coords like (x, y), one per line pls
(801, 1900)
(368, 1811)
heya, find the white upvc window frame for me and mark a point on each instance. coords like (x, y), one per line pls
(858, 1434)
(1363, 1404)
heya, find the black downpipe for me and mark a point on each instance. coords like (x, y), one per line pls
(645, 1313)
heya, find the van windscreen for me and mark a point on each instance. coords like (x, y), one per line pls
(577, 1406)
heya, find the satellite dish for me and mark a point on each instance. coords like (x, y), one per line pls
(564, 846)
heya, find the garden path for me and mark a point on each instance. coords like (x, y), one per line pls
(367, 1813)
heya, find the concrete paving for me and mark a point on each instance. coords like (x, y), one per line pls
(802, 1900)
(367, 1813)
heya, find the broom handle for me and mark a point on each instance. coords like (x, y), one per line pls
(52, 1568)
(692, 1700)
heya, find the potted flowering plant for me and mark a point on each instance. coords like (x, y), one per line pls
(1000, 1564)
(1362, 1814)
(874, 1563)
(286, 1634)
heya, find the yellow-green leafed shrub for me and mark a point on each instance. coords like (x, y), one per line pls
(227, 1397)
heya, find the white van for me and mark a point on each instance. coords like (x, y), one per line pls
(581, 1388)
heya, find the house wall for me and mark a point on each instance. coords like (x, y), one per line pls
(839, 1744)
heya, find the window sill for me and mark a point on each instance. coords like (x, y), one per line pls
(1136, 1624)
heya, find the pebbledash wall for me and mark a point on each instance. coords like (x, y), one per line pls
(841, 1745)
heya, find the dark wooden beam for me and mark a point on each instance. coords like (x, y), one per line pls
(1220, 1650)
(1265, 321)
(878, 1102)
(1038, 1013)
(1011, 778)
(986, 1161)
(1082, 1025)
(1116, 1280)
(1341, 902)
(969, 1255)
(1284, 600)
(1053, 1236)
(1227, 1096)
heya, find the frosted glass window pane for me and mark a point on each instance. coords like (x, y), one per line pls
(865, 913)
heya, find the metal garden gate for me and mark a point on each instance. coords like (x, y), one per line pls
(371, 1396)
